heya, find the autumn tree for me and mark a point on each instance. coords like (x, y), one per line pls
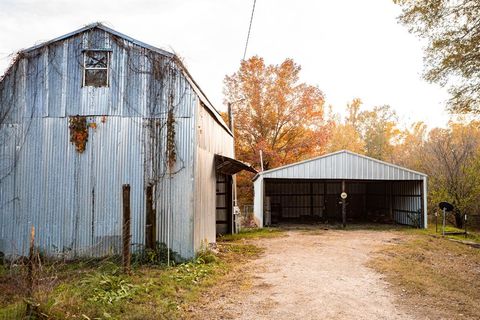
(452, 161)
(452, 57)
(274, 112)
(410, 150)
(378, 130)
(346, 135)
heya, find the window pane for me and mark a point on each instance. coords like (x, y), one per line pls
(96, 78)
(96, 59)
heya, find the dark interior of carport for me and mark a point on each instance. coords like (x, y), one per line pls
(311, 200)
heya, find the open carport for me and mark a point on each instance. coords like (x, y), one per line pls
(311, 191)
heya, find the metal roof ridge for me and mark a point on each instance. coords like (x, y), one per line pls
(335, 153)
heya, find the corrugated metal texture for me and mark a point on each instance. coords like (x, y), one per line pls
(407, 203)
(400, 201)
(211, 139)
(138, 79)
(74, 200)
(343, 165)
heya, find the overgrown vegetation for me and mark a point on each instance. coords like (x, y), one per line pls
(99, 290)
(437, 276)
(254, 233)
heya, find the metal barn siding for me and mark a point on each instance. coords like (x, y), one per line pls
(74, 200)
(343, 165)
(211, 139)
(408, 187)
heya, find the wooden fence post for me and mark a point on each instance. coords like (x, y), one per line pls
(126, 228)
(150, 223)
(31, 260)
(30, 273)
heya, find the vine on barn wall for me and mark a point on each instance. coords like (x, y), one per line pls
(171, 152)
(79, 132)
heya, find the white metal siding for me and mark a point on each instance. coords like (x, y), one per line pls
(258, 200)
(343, 165)
(211, 139)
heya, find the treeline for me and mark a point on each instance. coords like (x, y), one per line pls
(288, 121)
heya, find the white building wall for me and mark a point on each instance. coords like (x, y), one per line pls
(212, 138)
(258, 200)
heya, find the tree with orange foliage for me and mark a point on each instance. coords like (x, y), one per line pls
(274, 112)
(346, 135)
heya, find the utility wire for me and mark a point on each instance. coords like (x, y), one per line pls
(249, 29)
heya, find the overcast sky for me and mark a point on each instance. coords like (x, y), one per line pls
(348, 48)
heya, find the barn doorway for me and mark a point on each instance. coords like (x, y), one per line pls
(318, 201)
(225, 197)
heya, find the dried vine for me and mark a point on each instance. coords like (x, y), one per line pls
(171, 152)
(79, 132)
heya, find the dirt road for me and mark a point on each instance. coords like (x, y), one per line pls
(312, 275)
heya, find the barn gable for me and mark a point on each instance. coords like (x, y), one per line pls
(56, 66)
(344, 164)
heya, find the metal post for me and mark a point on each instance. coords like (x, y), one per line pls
(261, 160)
(465, 223)
(443, 224)
(344, 206)
(126, 228)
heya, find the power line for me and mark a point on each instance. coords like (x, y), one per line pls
(249, 29)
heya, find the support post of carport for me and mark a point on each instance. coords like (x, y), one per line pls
(424, 199)
(344, 206)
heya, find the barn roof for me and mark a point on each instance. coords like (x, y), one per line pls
(203, 98)
(343, 164)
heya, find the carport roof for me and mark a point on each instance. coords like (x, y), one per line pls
(342, 164)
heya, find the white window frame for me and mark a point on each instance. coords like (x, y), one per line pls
(85, 68)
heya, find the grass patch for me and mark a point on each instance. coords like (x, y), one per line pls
(253, 233)
(101, 291)
(472, 236)
(439, 276)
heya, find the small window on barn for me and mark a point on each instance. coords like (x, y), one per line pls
(96, 65)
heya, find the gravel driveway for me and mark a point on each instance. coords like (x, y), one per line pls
(312, 275)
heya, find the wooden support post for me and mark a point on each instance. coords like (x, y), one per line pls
(344, 206)
(150, 221)
(31, 261)
(126, 228)
(30, 274)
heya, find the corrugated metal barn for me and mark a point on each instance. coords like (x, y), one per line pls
(311, 191)
(85, 113)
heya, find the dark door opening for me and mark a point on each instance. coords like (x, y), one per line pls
(305, 201)
(224, 204)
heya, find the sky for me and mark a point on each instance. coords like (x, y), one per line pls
(348, 48)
